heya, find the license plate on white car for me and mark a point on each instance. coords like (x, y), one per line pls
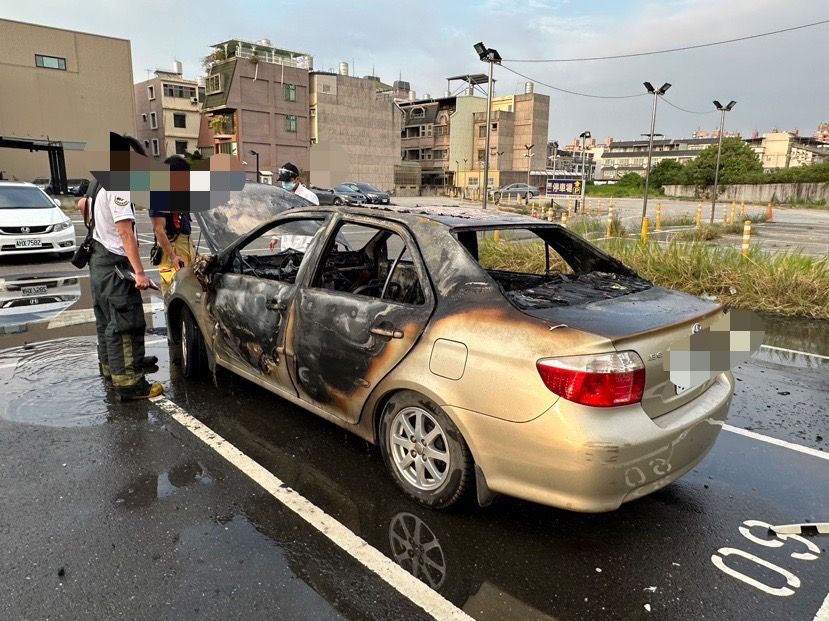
(31, 291)
(28, 243)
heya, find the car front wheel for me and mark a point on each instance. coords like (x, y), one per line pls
(338, 201)
(497, 197)
(424, 451)
(193, 353)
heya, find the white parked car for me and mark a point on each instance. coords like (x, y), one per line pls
(32, 222)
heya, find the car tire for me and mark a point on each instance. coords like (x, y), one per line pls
(338, 202)
(191, 347)
(435, 472)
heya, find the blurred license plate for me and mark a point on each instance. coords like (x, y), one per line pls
(28, 243)
(30, 291)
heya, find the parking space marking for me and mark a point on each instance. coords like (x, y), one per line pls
(782, 443)
(795, 351)
(823, 613)
(390, 572)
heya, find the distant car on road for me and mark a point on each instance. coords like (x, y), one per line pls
(520, 190)
(78, 187)
(372, 194)
(337, 197)
(44, 183)
(349, 190)
(32, 222)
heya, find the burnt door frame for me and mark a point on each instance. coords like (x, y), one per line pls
(341, 345)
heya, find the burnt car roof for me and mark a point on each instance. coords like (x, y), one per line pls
(452, 216)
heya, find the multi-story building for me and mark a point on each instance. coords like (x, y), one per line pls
(62, 93)
(257, 97)
(448, 136)
(354, 130)
(631, 156)
(168, 114)
(568, 162)
(787, 149)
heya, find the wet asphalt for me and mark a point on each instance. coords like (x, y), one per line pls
(114, 511)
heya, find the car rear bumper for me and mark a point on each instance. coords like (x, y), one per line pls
(61, 241)
(592, 459)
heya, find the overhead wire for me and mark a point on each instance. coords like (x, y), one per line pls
(673, 105)
(666, 51)
(568, 91)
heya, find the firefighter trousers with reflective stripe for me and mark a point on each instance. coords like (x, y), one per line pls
(119, 318)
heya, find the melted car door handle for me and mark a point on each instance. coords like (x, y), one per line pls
(386, 331)
(276, 305)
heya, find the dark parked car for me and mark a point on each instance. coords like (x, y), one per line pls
(336, 197)
(520, 190)
(354, 195)
(44, 183)
(373, 195)
(78, 187)
(566, 384)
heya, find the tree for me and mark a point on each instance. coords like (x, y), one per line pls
(667, 172)
(632, 180)
(738, 164)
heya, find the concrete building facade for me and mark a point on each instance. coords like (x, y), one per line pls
(787, 150)
(168, 114)
(64, 86)
(256, 96)
(631, 156)
(354, 131)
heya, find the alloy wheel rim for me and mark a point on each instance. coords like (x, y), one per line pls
(184, 342)
(419, 448)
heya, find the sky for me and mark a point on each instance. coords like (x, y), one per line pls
(781, 81)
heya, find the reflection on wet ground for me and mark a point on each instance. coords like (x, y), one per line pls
(807, 335)
(146, 489)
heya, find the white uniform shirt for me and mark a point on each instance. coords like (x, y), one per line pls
(307, 194)
(111, 207)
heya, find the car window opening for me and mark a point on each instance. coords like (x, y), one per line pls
(545, 267)
(382, 267)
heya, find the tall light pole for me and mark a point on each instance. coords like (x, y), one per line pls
(487, 55)
(252, 152)
(584, 136)
(529, 156)
(723, 110)
(656, 95)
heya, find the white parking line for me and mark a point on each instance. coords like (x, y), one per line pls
(768, 439)
(823, 613)
(795, 351)
(390, 572)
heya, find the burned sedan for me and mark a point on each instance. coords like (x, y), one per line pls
(482, 352)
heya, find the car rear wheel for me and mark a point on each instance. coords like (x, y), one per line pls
(191, 343)
(424, 451)
(338, 201)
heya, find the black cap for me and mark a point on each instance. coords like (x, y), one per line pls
(288, 172)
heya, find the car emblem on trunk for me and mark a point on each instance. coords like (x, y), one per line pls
(696, 328)
(25, 229)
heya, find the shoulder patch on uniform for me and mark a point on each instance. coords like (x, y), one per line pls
(121, 201)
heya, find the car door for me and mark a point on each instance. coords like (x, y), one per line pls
(252, 299)
(359, 315)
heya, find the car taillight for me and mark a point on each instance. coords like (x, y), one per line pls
(602, 380)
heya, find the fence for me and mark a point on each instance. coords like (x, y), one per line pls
(757, 192)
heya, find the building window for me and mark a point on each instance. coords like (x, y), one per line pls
(151, 92)
(472, 181)
(443, 130)
(144, 117)
(495, 127)
(326, 88)
(418, 113)
(290, 123)
(482, 131)
(181, 147)
(50, 62)
(179, 120)
(153, 121)
(213, 84)
(180, 91)
(428, 130)
(155, 147)
(290, 92)
(481, 153)
(147, 144)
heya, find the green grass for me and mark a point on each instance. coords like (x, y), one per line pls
(788, 284)
(620, 191)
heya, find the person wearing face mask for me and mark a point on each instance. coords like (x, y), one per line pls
(289, 179)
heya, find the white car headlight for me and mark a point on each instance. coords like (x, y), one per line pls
(61, 226)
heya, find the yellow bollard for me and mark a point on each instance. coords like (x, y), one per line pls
(609, 223)
(658, 216)
(569, 205)
(769, 213)
(550, 216)
(564, 219)
(743, 210)
(746, 236)
(733, 218)
(725, 214)
(645, 225)
(699, 216)
(534, 212)
(496, 236)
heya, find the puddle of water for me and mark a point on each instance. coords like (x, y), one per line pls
(807, 335)
(146, 489)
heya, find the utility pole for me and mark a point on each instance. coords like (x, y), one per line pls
(529, 147)
(256, 153)
(656, 95)
(723, 110)
(491, 56)
(584, 136)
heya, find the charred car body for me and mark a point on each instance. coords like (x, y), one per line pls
(405, 329)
